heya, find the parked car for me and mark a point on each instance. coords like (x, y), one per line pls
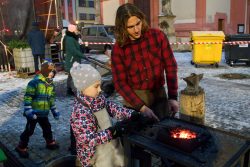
(101, 34)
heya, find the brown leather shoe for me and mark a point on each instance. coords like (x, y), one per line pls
(52, 145)
(23, 152)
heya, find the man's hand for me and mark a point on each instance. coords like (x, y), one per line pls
(147, 112)
(173, 107)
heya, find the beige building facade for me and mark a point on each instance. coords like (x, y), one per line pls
(85, 11)
(226, 15)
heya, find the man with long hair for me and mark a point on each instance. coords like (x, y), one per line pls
(141, 58)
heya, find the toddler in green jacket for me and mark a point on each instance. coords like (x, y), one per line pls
(39, 100)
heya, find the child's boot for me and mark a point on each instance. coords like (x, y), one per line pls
(22, 150)
(52, 145)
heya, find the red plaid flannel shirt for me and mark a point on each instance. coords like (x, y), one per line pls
(140, 64)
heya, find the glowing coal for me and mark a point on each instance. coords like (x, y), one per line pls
(183, 134)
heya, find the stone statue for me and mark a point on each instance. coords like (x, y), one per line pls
(166, 7)
(164, 25)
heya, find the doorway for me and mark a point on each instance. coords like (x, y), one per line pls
(145, 8)
(221, 25)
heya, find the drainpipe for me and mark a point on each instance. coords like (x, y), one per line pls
(74, 10)
(66, 13)
(34, 9)
(245, 30)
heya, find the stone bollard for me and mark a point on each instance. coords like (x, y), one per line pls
(192, 100)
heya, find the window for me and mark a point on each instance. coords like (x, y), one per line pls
(82, 3)
(91, 16)
(241, 28)
(85, 31)
(85, 16)
(92, 31)
(91, 4)
(110, 30)
(101, 32)
(82, 16)
(86, 3)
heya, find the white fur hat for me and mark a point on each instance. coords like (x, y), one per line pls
(84, 75)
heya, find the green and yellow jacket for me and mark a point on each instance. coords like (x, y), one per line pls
(39, 97)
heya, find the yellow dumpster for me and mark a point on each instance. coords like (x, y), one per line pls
(207, 47)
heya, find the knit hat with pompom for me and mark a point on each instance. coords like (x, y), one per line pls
(84, 75)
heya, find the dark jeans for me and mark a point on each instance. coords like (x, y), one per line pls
(30, 127)
(41, 57)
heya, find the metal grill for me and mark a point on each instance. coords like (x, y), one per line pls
(221, 150)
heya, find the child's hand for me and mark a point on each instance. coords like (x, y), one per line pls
(119, 129)
(30, 114)
(56, 115)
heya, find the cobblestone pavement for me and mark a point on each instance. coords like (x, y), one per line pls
(227, 108)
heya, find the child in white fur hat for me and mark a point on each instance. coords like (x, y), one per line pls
(97, 140)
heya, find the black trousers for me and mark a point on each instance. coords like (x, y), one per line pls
(70, 85)
(41, 57)
(72, 140)
(30, 127)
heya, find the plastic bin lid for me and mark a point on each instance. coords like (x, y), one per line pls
(238, 36)
(208, 33)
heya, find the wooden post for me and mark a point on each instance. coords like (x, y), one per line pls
(192, 100)
(192, 107)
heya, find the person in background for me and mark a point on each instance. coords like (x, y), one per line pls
(81, 42)
(39, 100)
(62, 43)
(55, 43)
(96, 138)
(141, 58)
(37, 43)
(56, 37)
(73, 54)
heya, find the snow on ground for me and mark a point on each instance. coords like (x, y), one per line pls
(227, 106)
(227, 101)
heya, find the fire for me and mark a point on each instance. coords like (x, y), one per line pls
(183, 134)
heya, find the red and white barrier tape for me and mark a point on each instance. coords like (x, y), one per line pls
(98, 43)
(179, 43)
(201, 43)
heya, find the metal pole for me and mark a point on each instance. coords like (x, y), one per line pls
(245, 29)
